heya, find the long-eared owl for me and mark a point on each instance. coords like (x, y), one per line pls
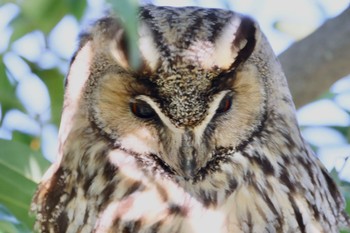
(202, 137)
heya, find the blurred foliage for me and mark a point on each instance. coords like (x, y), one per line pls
(21, 159)
(22, 163)
(20, 171)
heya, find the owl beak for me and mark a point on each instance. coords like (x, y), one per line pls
(188, 161)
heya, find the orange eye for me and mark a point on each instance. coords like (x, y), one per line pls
(142, 110)
(225, 104)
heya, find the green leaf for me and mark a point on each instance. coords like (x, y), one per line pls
(345, 188)
(21, 26)
(6, 227)
(24, 138)
(77, 8)
(347, 209)
(17, 194)
(344, 130)
(127, 10)
(5, 84)
(41, 15)
(9, 224)
(8, 98)
(20, 171)
(327, 95)
(55, 84)
(19, 158)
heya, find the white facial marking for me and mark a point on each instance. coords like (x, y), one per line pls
(202, 52)
(117, 53)
(199, 130)
(164, 119)
(144, 140)
(148, 48)
(224, 53)
(221, 54)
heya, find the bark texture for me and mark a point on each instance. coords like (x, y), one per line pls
(314, 63)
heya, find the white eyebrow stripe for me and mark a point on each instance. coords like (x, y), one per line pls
(199, 129)
(224, 54)
(161, 115)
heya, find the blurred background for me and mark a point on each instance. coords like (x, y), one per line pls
(38, 38)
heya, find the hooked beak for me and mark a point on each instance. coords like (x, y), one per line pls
(188, 155)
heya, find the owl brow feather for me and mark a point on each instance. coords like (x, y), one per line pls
(157, 35)
(223, 81)
(246, 31)
(145, 86)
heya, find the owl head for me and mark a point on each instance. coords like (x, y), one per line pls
(207, 83)
(204, 129)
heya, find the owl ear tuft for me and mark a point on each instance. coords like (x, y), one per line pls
(236, 42)
(120, 48)
(110, 38)
(115, 37)
(245, 40)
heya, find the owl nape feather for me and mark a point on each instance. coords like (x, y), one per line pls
(202, 138)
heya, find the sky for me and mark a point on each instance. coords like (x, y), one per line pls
(300, 17)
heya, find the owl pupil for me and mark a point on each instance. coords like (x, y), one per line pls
(142, 110)
(225, 104)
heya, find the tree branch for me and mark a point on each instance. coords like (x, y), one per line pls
(313, 64)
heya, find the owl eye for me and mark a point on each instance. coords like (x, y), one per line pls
(225, 104)
(142, 110)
